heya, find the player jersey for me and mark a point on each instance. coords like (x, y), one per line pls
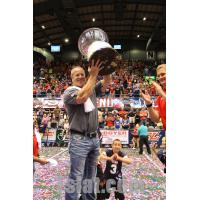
(161, 103)
(113, 168)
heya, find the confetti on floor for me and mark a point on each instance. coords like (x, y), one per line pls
(144, 178)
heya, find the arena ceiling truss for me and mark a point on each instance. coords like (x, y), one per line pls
(120, 19)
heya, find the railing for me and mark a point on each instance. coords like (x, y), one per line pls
(129, 95)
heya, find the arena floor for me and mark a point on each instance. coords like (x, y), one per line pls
(145, 174)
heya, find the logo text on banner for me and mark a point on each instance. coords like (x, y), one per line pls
(101, 102)
(155, 137)
(109, 135)
(49, 136)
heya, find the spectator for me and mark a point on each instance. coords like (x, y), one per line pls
(36, 157)
(54, 122)
(49, 93)
(117, 91)
(40, 114)
(136, 90)
(117, 123)
(57, 91)
(101, 119)
(57, 113)
(130, 92)
(49, 122)
(105, 113)
(115, 113)
(125, 122)
(44, 124)
(143, 135)
(107, 92)
(135, 139)
(34, 116)
(137, 117)
(159, 125)
(160, 111)
(143, 115)
(150, 128)
(61, 121)
(122, 113)
(66, 124)
(110, 121)
(131, 116)
(34, 92)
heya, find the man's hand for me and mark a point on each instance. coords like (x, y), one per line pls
(146, 97)
(43, 161)
(95, 68)
(87, 89)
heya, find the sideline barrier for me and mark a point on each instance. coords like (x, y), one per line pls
(101, 102)
(60, 137)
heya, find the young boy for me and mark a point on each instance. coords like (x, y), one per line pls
(114, 158)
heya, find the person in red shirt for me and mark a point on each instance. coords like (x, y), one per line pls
(160, 111)
(34, 92)
(110, 121)
(36, 157)
(153, 90)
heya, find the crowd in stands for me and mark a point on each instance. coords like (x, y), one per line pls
(52, 79)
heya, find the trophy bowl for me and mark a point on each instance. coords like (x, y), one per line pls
(93, 44)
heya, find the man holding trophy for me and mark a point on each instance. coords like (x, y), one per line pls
(80, 103)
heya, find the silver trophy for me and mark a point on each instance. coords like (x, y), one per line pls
(93, 44)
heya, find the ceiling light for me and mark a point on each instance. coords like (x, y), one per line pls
(138, 36)
(144, 18)
(66, 40)
(43, 27)
(49, 43)
(93, 19)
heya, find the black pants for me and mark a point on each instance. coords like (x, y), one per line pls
(144, 140)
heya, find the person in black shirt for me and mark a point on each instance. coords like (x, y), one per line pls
(131, 116)
(107, 92)
(137, 117)
(113, 174)
(117, 91)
